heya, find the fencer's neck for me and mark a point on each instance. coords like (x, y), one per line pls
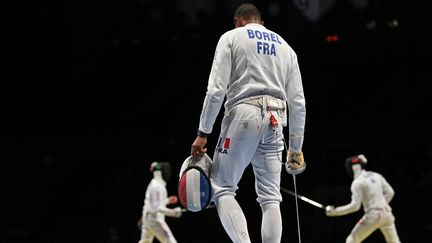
(357, 170)
(157, 175)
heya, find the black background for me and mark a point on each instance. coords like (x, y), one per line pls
(101, 89)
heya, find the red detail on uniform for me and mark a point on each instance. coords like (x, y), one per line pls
(353, 161)
(361, 221)
(182, 193)
(273, 121)
(227, 143)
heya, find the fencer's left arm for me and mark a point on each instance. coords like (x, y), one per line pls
(160, 207)
(139, 222)
(387, 190)
(158, 200)
(171, 200)
(353, 206)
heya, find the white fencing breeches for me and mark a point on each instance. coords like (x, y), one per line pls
(246, 137)
(371, 221)
(152, 229)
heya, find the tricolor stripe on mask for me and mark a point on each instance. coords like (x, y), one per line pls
(194, 189)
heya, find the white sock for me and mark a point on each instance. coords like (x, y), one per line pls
(271, 227)
(233, 219)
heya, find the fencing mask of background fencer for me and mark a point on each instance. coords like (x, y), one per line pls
(194, 188)
(355, 164)
(164, 168)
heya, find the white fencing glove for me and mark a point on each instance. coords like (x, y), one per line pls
(295, 163)
(177, 212)
(329, 210)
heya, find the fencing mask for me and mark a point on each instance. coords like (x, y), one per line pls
(194, 188)
(164, 168)
(355, 164)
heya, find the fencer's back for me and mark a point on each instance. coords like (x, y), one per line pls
(261, 63)
(371, 184)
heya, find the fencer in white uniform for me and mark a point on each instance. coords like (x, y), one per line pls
(371, 190)
(257, 72)
(152, 222)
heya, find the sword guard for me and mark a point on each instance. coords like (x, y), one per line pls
(294, 172)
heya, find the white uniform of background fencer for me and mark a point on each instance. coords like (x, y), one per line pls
(252, 62)
(154, 211)
(371, 190)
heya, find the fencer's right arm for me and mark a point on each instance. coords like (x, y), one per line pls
(353, 206)
(296, 118)
(171, 212)
(295, 163)
(387, 190)
(296, 106)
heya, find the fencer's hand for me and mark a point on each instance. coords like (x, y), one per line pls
(198, 146)
(295, 163)
(172, 199)
(329, 210)
(178, 212)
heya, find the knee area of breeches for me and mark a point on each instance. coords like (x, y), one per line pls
(269, 197)
(222, 194)
(270, 205)
(351, 239)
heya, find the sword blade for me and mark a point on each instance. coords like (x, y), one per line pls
(316, 204)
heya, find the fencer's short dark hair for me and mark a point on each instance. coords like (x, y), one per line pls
(247, 11)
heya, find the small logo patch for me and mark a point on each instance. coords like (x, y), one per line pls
(245, 125)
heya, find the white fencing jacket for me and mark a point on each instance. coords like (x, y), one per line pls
(252, 61)
(369, 189)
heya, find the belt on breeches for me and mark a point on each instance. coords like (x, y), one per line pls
(267, 102)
